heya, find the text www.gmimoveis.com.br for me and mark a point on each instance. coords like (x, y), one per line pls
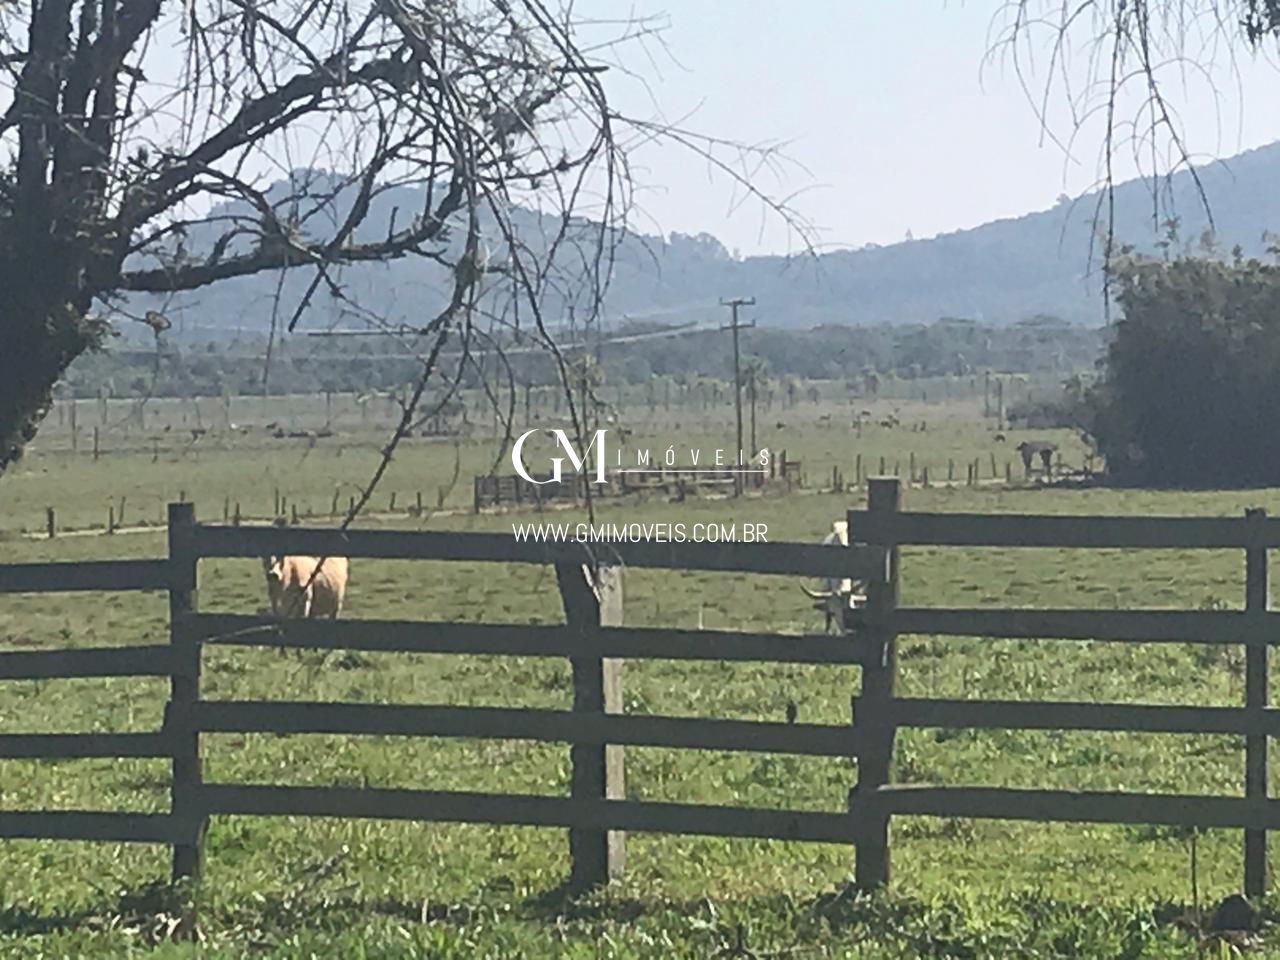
(638, 532)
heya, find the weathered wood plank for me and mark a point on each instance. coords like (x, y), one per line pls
(88, 825)
(151, 660)
(1257, 687)
(1071, 806)
(1061, 715)
(527, 810)
(519, 639)
(879, 679)
(699, 733)
(786, 559)
(184, 694)
(65, 577)
(592, 598)
(1135, 626)
(1032, 530)
(66, 746)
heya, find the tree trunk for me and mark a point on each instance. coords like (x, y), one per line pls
(51, 335)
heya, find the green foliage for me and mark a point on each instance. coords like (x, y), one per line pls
(948, 347)
(1068, 410)
(1190, 395)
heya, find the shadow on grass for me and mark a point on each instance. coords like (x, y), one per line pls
(154, 910)
(938, 927)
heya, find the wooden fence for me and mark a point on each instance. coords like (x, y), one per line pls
(592, 638)
(596, 642)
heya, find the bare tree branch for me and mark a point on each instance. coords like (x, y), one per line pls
(1130, 47)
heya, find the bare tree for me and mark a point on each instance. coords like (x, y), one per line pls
(1130, 51)
(155, 149)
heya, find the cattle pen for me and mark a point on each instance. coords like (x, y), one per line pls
(595, 640)
(495, 491)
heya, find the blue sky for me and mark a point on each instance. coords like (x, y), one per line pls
(887, 106)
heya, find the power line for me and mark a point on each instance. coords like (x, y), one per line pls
(685, 329)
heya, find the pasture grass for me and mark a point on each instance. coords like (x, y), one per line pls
(225, 468)
(281, 887)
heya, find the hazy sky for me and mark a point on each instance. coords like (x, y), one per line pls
(888, 107)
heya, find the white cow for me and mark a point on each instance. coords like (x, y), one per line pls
(296, 589)
(837, 595)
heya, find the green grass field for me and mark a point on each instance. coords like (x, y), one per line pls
(140, 471)
(304, 888)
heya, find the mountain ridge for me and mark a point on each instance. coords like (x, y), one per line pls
(1001, 272)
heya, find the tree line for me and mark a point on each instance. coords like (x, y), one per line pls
(862, 355)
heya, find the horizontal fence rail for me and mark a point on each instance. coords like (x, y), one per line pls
(787, 559)
(66, 746)
(1051, 715)
(212, 716)
(141, 661)
(527, 810)
(89, 825)
(1134, 626)
(1071, 806)
(529, 640)
(64, 577)
(1030, 530)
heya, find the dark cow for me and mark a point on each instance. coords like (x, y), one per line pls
(1030, 449)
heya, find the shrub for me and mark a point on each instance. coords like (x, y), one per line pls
(1190, 394)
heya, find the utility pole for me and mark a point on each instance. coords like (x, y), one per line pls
(735, 326)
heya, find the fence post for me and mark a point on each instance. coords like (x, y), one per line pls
(873, 719)
(597, 773)
(1256, 695)
(184, 691)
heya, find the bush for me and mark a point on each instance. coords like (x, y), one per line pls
(1190, 396)
(1046, 414)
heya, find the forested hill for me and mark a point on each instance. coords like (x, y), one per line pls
(998, 273)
